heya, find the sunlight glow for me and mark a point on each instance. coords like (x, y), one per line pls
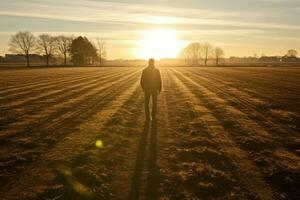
(159, 43)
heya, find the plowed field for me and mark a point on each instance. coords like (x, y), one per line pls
(80, 133)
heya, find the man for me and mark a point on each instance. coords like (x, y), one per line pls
(151, 84)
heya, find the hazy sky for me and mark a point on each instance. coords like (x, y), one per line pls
(241, 27)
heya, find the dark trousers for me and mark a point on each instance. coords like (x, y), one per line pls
(148, 95)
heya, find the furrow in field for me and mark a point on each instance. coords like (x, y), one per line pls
(46, 133)
(270, 89)
(53, 93)
(91, 96)
(245, 79)
(291, 76)
(256, 74)
(60, 101)
(277, 101)
(247, 124)
(259, 78)
(38, 79)
(65, 112)
(264, 149)
(31, 180)
(246, 171)
(9, 96)
(246, 103)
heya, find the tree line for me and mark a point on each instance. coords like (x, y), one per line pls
(80, 50)
(200, 53)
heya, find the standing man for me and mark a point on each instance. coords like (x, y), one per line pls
(151, 84)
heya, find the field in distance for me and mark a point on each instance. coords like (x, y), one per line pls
(80, 133)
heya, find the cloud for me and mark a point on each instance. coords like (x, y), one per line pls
(123, 22)
(126, 13)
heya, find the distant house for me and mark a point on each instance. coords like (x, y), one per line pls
(250, 59)
(290, 59)
(20, 58)
(15, 58)
(270, 59)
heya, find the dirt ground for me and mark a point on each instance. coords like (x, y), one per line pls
(80, 133)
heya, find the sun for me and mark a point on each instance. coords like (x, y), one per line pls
(159, 43)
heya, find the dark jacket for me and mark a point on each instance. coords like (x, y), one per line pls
(151, 80)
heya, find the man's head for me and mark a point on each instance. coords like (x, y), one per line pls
(151, 62)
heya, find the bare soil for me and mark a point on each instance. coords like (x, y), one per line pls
(80, 133)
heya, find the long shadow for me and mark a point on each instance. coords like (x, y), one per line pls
(138, 170)
(65, 175)
(153, 176)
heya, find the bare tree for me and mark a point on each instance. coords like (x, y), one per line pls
(63, 44)
(46, 43)
(22, 42)
(192, 53)
(292, 53)
(207, 48)
(101, 47)
(219, 53)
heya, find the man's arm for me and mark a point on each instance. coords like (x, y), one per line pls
(159, 81)
(143, 81)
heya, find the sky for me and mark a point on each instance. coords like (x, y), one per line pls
(130, 27)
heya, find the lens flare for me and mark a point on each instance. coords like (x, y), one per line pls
(99, 144)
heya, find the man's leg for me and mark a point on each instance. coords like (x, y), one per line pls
(154, 104)
(147, 111)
